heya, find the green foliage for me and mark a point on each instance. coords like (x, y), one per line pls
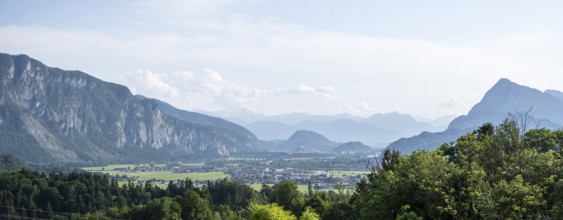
(390, 159)
(309, 214)
(10, 163)
(556, 198)
(339, 211)
(164, 208)
(195, 206)
(503, 172)
(269, 212)
(287, 195)
(83, 195)
(406, 214)
(319, 202)
(238, 196)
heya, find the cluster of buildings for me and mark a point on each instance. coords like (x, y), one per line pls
(319, 179)
(252, 172)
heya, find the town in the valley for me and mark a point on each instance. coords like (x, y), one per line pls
(320, 171)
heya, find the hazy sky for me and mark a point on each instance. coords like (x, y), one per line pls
(425, 58)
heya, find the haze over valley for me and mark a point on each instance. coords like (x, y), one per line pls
(262, 109)
(53, 111)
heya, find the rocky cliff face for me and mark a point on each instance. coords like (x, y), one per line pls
(48, 114)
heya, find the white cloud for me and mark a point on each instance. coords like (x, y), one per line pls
(180, 8)
(451, 104)
(323, 91)
(361, 109)
(154, 83)
(268, 58)
(209, 90)
(301, 89)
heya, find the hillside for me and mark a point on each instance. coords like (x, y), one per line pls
(52, 115)
(306, 141)
(240, 133)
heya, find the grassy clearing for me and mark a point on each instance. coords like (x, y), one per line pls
(303, 188)
(116, 166)
(258, 186)
(340, 173)
(109, 167)
(166, 175)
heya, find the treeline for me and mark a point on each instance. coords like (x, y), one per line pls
(10, 163)
(502, 172)
(83, 195)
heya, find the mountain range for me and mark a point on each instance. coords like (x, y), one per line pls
(504, 98)
(52, 115)
(377, 130)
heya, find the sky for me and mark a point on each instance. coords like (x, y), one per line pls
(424, 58)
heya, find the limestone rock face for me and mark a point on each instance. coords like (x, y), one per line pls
(52, 115)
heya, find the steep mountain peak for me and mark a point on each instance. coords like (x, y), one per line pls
(508, 97)
(504, 81)
(504, 98)
(505, 88)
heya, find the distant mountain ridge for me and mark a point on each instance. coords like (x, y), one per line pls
(52, 115)
(377, 130)
(505, 97)
(555, 93)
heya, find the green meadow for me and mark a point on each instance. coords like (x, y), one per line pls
(156, 175)
(341, 173)
(303, 188)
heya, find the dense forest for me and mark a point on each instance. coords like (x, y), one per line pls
(502, 172)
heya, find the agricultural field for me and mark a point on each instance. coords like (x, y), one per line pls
(258, 186)
(109, 167)
(303, 188)
(341, 173)
(155, 175)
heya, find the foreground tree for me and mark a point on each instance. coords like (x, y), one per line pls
(287, 195)
(269, 212)
(195, 206)
(502, 172)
